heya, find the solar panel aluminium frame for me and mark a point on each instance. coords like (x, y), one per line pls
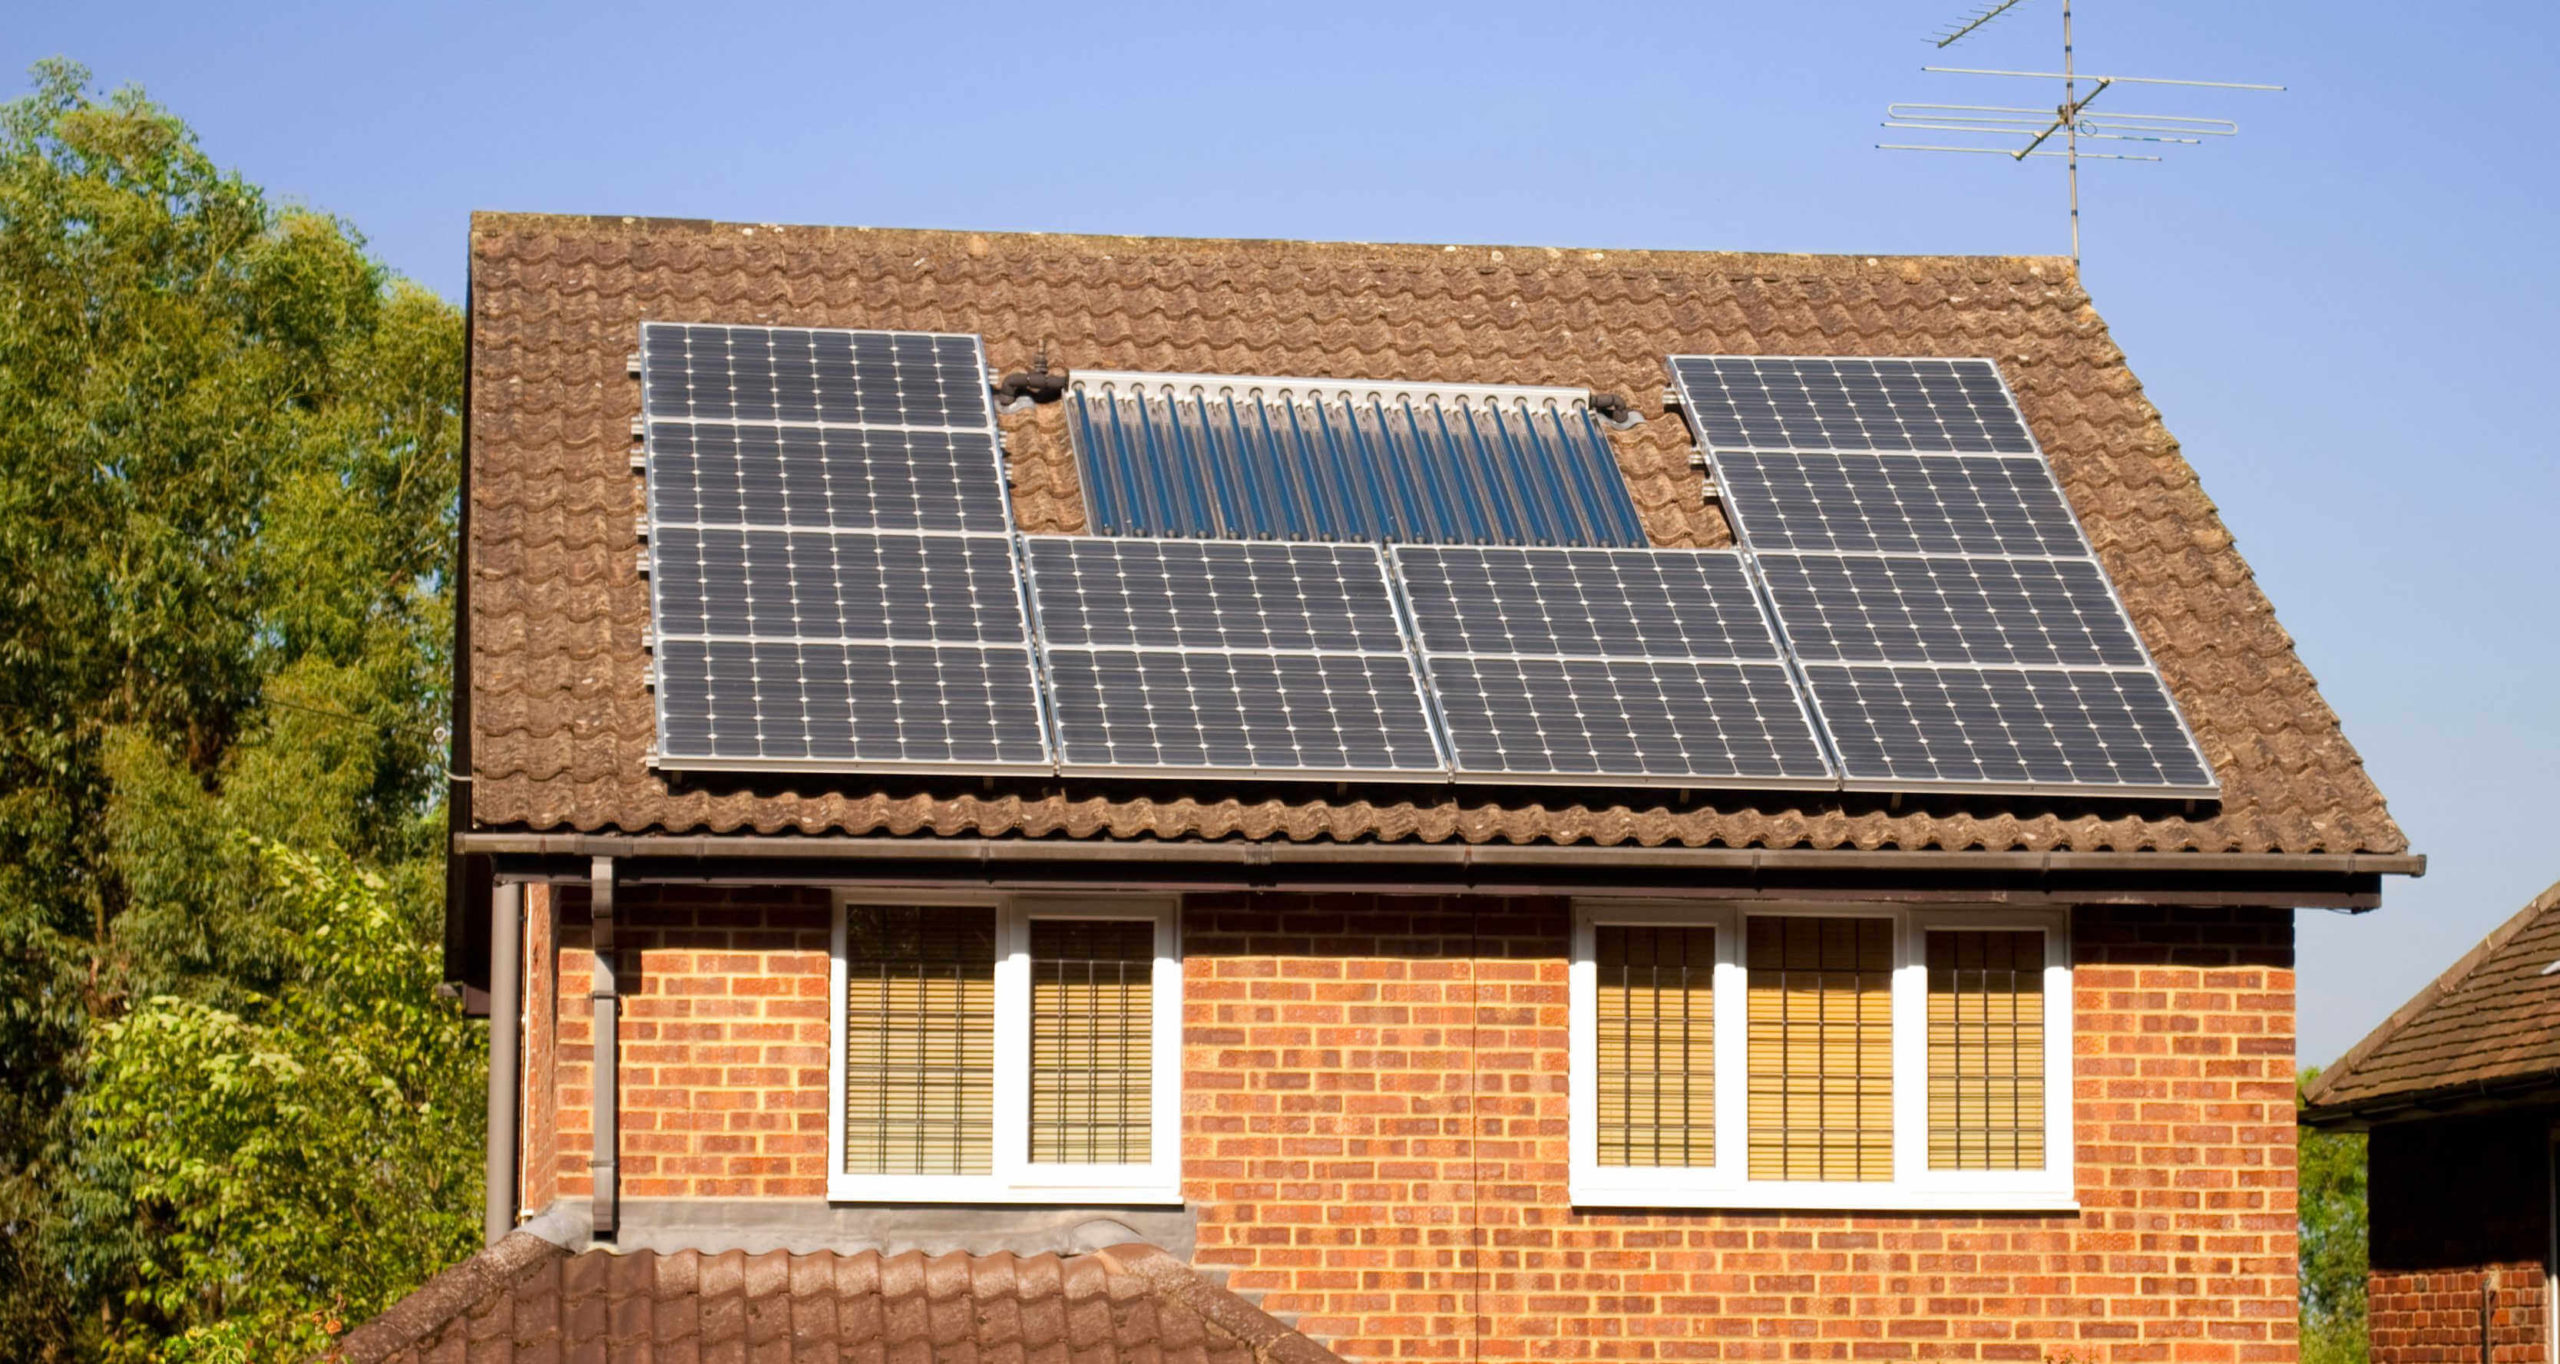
(1783, 661)
(1034, 677)
(1411, 654)
(1796, 665)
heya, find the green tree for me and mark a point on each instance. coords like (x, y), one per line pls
(255, 1141)
(2334, 1244)
(228, 444)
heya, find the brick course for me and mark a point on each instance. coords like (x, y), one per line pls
(1374, 1137)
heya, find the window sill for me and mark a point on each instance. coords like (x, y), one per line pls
(892, 1189)
(1881, 1198)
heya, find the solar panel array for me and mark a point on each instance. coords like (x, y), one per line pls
(1339, 584)
(1234, 457)
(1952, 625)
(831, 558)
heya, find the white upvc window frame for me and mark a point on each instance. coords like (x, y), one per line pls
(1013, 1177)
(1727, 1183)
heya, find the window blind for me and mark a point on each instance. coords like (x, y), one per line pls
(1820, 1048)
(1092, 1033)
(1986, 1050)
(919, 1039)
(1656, 1036)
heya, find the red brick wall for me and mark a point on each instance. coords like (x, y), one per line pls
(2457, 1202)
(2433, 1316)
(723, 1037)
(538, 1136)
(1374, 1136)
(1376, 1102)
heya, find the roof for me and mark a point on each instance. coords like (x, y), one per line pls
(2491, 1021)
(559, 718)
(525, 1299)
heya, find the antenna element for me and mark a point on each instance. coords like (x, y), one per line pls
(2070, 118)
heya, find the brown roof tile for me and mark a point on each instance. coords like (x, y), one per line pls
(526, 1299)
(2492, 1018)
(560, 711)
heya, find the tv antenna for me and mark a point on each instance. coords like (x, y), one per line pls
(2070, 120)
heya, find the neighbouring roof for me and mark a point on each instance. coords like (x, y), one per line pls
(2491, 1021)
(527, 1299)
(557, 689)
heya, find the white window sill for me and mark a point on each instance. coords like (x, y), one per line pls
(1815, 1198)
(893, 1189)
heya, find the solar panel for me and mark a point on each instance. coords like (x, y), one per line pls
(901, 478)
(1897, 503)
(1748, 402)
(1239, 457)
(1905, 609)
(2008, 729)
(1904, 521)
(833, 577)
(1651, 666)
(1262, 659)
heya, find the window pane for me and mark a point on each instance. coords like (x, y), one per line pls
(1092, 1036)
(1656, 1039)
(1821, 1048)
(1986, 1050)
(919, 1039)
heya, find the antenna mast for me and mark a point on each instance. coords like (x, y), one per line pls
(2069, 118)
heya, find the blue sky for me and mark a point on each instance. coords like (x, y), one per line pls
(2345, 313)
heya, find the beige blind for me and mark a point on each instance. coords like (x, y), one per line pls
(919, 1039)
(1986, 1050)
(1656, 1038)
(1821, 1048)
(1092, 1036)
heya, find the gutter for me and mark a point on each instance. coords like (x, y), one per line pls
(998, 852)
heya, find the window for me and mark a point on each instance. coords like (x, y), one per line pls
(1853, 1058)
(1005, 1050)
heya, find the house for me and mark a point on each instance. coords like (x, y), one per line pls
(1443, 948)
(2459, 1093)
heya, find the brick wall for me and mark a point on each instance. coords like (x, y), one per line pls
(2459, 1204)
(1374, 1136)
(538, 1136)
(1376, 1102)
(723, 1037)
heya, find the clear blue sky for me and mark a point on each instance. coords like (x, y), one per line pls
(2346, 313)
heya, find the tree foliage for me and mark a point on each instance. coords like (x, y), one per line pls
(228, 444)
(2335, 1243)
(255, 1141)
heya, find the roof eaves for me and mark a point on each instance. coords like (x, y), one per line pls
(2320, 1099)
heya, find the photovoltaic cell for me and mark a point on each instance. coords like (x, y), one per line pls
(2007, 728)
(1743, 402)
(1639, 665)
(833, 579)
(1258, 658)
(1897, 504)
(1246, 458)
(1861, 609)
